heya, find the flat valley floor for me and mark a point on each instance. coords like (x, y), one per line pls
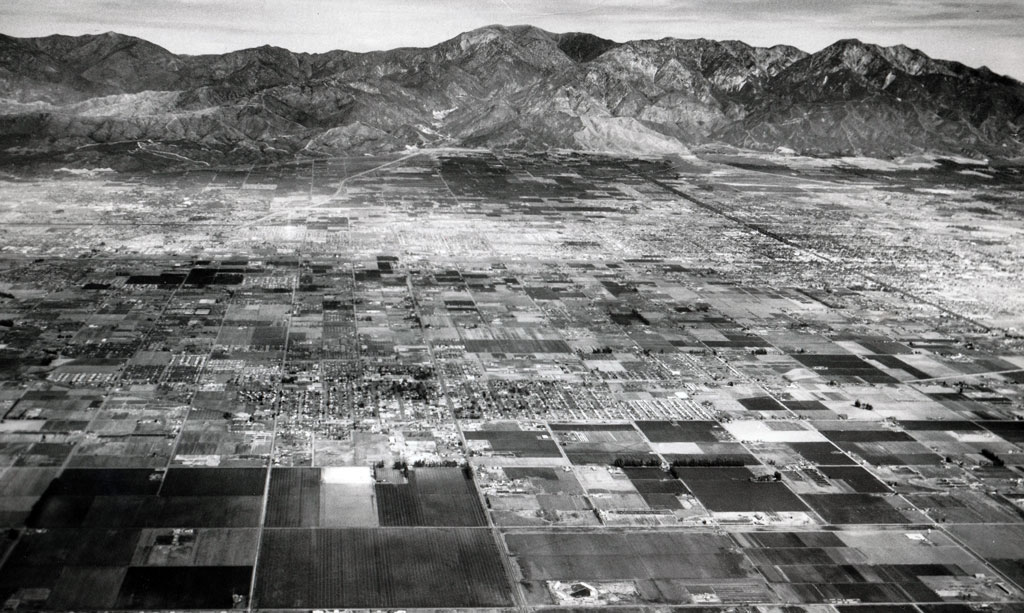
(458, 379)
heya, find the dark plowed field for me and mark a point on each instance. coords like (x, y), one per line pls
(214, 482)
(294, 499)
(380, 567)
(433, 497)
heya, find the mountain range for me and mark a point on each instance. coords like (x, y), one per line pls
(518, 87)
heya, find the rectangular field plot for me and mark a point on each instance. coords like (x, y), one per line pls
(688, 560)
(710, 454)
(347, 506)
(86, 587)
(26, 482)
(398, 505)
(516, 346)
(380, 567)
(202, 547)
(449, 498)
(856, 479)
(823, 454)
(201, 512)
(855, 509)
(106, 482)
(146, 512)
(545, 479)
(192, 587)
(534, 444)
(294, 498)
(430, 497)
(214, 482)
(732, 490)
(844, 367)
(73, 548)
(602, 444)
(683, 431)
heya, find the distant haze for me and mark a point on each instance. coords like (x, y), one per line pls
(975, 32)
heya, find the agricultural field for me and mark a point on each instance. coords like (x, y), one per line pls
(667, 567)
(385, 567)
(499, 381)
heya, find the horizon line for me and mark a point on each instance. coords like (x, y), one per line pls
(859, 40)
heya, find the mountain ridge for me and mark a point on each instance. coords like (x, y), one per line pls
(502, 86)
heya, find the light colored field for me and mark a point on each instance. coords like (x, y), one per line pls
(906, 547)
(762, 432)
(601, 478)
(348, 505)
(527, 462)
(989, 541)
(681, 448)
(514, 502)
(619, 502)
(347, 475)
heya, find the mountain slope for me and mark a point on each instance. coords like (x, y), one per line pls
(516, 87)
(859, 97)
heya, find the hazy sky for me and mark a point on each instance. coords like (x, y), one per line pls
(975, 32)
